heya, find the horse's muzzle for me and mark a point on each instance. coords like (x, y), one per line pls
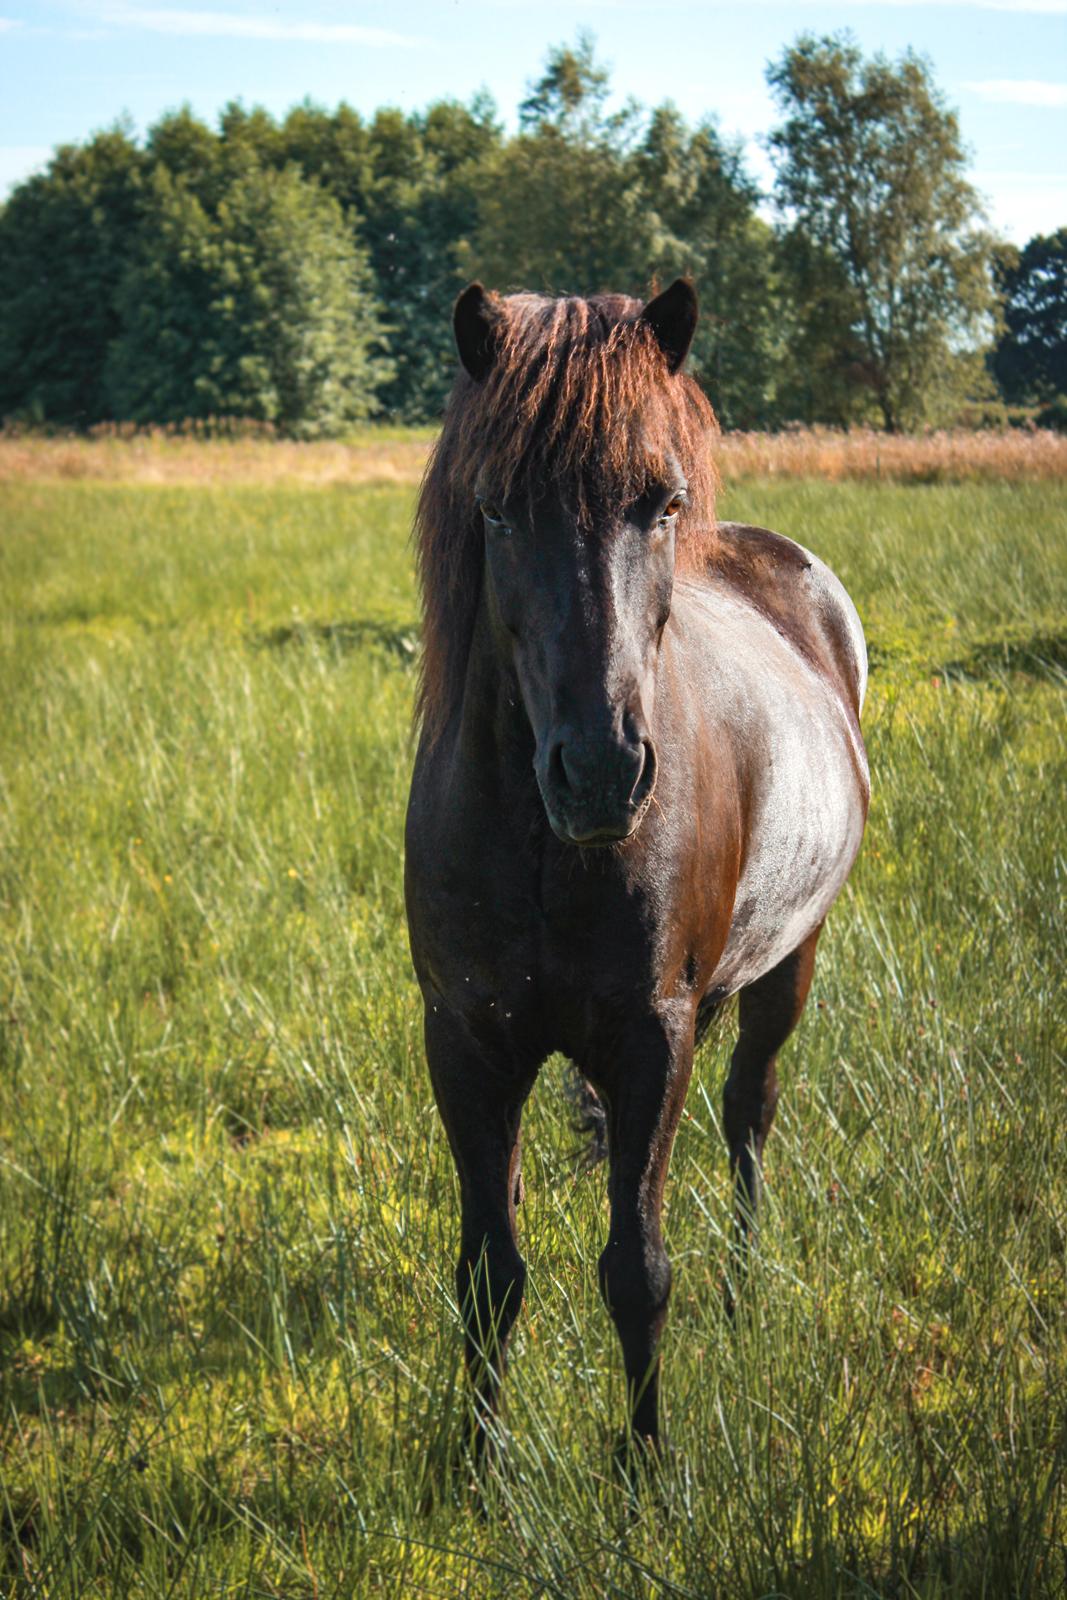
(596, 792)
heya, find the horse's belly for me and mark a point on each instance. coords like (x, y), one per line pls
(806, 777)
(802, 846)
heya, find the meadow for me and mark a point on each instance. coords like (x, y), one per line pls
(229, 1359)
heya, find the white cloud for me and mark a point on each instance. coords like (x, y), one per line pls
(1051, 8)
(8, 23)
(1020, 91)
(236, 25)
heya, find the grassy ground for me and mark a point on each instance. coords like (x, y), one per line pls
(228, 1352)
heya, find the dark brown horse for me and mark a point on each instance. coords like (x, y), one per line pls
(639, 787)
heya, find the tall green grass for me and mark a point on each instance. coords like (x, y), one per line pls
(228, 1346)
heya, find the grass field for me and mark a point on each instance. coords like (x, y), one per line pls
(229, 1361)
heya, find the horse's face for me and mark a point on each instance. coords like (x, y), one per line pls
(579, 601)
(579, 606)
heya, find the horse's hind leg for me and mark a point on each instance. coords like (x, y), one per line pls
(481, 1107)
(769, 1010)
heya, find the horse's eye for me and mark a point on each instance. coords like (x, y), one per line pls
(672, 508)
(492, 513)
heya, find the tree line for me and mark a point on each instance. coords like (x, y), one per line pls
(300, 272)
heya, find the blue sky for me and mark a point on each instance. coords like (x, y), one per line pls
(69, 67)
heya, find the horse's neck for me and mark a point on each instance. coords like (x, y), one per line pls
(493, 729)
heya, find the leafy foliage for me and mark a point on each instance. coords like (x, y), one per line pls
(887, 265)
(134, 281)
(64, 238)
(701, 205)
(260, 309)
(586, 200)
(1030, 360)
(561, 205)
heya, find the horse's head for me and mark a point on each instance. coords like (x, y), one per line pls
(583, 456)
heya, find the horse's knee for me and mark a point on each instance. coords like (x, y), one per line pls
(635, 1281)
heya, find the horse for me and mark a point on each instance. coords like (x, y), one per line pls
(639, 784)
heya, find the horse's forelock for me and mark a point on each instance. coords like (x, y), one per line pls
(579, 394)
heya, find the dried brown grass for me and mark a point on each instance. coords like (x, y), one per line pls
(391, 456)
(151, 457)
(1023, 454)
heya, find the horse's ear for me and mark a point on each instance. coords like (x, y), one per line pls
(672, 316)
(474, 322)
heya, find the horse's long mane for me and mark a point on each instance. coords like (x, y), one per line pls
(579, 395)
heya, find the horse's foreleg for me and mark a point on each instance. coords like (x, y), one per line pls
(769, 1010)
(481, 1106)
(644, 1091)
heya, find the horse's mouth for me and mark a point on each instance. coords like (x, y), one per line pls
(607, 834)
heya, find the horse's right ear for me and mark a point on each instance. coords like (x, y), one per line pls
(474, 322)
(672, 316)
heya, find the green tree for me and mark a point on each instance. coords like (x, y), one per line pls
(332, 147)
(426, 183)
(1030, 360)
(701, 203)
(64, 242)
(412, 182)
(250, 137)
(884, 256)
(586, 199)
(263, 309)
(191, 152)
(561, 205)
(571, 95)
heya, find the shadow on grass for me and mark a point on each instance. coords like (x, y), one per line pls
(1034, 655)
(400, 641)
(1039, 655)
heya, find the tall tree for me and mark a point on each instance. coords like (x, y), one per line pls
(561, 205)
(422, 202)
(702, 203)
(189, 151)
(1030, 361)
(410, 180)
(884, 243)
(262, 309)
(64, 239)
(588, 199)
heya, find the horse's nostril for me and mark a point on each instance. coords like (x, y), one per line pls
(557, 767)
(646, 773)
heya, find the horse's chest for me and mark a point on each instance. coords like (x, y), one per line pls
(535, 959)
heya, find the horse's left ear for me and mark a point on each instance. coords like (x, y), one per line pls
(474, 322)
(672, 316)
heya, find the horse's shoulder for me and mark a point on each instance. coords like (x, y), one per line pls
(799, 595)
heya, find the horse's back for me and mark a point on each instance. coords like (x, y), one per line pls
(800, 597)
